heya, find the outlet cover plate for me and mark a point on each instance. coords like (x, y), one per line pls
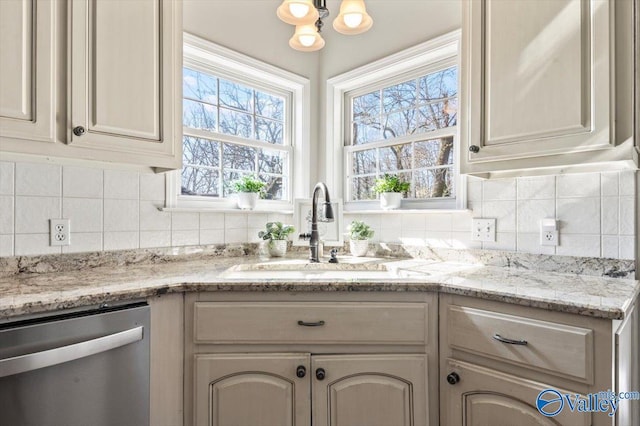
(483, 230)
(549, 237)
(60, 232)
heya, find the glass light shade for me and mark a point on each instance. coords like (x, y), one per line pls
(353, 18)
(297, 12)
(306, 39)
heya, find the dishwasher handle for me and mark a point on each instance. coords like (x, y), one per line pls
(36, 360)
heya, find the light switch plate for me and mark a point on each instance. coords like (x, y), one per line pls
(483, 230)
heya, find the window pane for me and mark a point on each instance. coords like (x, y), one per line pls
(271, 161)
(197, 181)
(361, 188)
(364, 162)
(435, 152)
(434, 183)
(399, 124)
(438, 115)
(274, 187)
(235, 123)
(439, 85)
(366, 132)
(238, 157)
(235, 95)
(198, 115)
(394, 158)
(269, 106)
(202, 152)
(227, 182)
(400, 96)
(269, 131)
(367, 107)
(200, 86)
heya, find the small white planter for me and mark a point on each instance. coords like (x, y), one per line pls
(277, 248)
(247, 200)
(358, 248)
(390, 200)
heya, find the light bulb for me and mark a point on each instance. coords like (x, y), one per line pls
(352, 20)
(298, 9)
(307, 40)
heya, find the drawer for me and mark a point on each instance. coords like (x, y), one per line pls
(311, 323)
(561, 349)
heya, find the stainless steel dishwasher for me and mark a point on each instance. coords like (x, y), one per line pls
(81, 367)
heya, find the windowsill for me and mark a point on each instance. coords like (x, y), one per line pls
(408, 211)
(222, 210)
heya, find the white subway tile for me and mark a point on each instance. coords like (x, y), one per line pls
(33, 214)
(578, 185)
(211, 236)
(610, 215)
(185, 238)
(627, 216)
(34, 244)
(413, 237)
(150, 239)
(6, 245)
(83, 242)
(530, 243)
(503, 211)
(152, 219)
(610, 247)
(609, 184)
(461, 222)
(38, 179)
(127, 240)
(627, 183)
(627, 247)
(579, 245)
(182, 221)
(121, 185)
(235, 221)
(6, 214)
(287, 219)
(121, 215)
(152, 186)
(252, 235)
(235, 235)
(440, 239)
(6, 178)
(390, 235)
(536, 188)
(462, 240)
(579, 215)
(82, 182)
(414, 222)
(499, 189)
(212, 220)
(85, 214)
(439, 222)
(530, 212)
(504, 241)
(257, 220)
(474, 189)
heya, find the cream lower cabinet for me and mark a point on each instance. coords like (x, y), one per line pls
(318, 361)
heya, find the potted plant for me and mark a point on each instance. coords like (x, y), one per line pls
(248, 188)
(276, 233)
(391, 188)
(359, 235)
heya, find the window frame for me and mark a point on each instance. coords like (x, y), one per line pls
(431, 56)
(207, 57)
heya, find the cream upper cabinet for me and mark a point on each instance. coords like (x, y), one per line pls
(27, 97)
(538, 79)
(124, 79)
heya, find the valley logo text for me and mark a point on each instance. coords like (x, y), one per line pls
(551, 402)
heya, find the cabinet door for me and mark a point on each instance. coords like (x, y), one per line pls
(252, 390)
(27, 36)
(371, 390)
(125, 74)
(487, 397)
(537, 82)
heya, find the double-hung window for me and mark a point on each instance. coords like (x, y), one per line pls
(240, 117)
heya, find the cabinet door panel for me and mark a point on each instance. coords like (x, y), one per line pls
(372, 390)
(251, 390)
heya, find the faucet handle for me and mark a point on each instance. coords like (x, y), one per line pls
(334, 256)
(305, 236)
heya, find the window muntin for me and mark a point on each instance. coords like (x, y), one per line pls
(232, 129)
(406, 128)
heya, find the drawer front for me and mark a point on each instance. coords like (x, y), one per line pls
(314, 323)
(557, 348)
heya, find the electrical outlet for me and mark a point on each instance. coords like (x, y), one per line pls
(60, 232)
(549, 234)
(483, 230)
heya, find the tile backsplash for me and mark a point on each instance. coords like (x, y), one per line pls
(115, 209)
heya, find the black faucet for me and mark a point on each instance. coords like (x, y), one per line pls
(327, 212)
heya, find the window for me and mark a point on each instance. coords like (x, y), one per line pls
(399, 117)
(240, 117)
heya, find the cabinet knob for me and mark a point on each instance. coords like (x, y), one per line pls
(453, 378)
(474, 148)
(301, 371)
(79, 131)
(320, 374)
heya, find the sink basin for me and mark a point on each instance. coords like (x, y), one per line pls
(306, 266)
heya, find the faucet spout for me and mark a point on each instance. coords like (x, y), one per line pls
(327, 212)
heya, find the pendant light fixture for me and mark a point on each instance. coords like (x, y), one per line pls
(308, 16)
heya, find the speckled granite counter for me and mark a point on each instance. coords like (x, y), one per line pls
(585, 295)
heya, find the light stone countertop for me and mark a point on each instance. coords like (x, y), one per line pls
(593, 296)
